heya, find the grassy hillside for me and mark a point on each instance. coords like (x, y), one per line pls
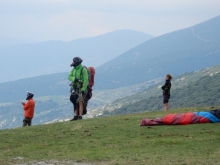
(112, 140)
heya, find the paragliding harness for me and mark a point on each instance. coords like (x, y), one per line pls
(76, 93)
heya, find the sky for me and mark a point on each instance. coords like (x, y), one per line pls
(67, 20)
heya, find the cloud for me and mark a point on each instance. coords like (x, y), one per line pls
(67, 19)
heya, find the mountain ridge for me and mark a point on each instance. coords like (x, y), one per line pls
(177, 52)
(47, 57)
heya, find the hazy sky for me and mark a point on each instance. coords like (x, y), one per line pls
(41, 20)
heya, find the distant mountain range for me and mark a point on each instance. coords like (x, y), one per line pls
(30, 60)
(46, 85)
(181, 51)
(9, 41)
(175, 53)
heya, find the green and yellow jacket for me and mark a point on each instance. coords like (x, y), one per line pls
(81, 74)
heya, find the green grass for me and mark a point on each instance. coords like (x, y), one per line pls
(113, 140)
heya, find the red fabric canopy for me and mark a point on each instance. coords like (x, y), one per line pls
(175, 119)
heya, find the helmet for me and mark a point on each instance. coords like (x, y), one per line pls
(76, 61)
(29, 95)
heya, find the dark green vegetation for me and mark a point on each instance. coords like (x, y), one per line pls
(113, 140)
(195, 89)
(204, 92)
(178, 52)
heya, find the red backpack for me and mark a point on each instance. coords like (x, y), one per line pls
(91, 75)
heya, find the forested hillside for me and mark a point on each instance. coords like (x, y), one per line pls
(196, 89)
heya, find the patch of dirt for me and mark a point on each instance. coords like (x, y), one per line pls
(52, 162)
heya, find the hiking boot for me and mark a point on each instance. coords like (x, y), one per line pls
(80, 118)
(74, 118)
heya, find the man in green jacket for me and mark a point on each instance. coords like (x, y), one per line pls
(79, 86)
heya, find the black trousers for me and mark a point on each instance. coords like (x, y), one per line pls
(74, 98)
(26, 122)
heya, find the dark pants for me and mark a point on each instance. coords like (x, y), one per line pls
(74, 98)
(26, 122)
(166, 99)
